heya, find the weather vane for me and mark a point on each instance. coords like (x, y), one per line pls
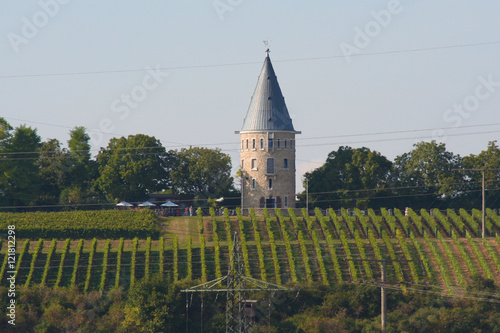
(266, 43)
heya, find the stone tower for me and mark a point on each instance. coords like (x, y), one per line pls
(267, 147)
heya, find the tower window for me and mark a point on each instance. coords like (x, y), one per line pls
(278, 143)
(270, 165)
(253, 184)
(242, 164)
(285, 163)
(270, 143)
(284, 144)
(286, 201)
(253, 144)
(247, 144)
(291, 144)
(270, 181)
(254, 164)
(261, 143)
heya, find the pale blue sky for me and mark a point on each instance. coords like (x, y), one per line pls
(211, 61)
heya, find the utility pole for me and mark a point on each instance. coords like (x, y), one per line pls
(383, 295)
(483, 194)
(307, 194)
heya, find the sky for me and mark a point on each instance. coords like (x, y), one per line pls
(376, 74)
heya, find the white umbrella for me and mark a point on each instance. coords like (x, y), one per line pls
(169, 204)
(146, 204)
(124, 204)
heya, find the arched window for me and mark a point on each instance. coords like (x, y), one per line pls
(247, 144)
(278, 143)
(253, 144)
(261, 143)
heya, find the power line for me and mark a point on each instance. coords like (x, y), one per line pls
(250, 62)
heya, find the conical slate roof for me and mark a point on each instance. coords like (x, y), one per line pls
(267, 110)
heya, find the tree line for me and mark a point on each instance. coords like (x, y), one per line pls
(38, 173)
(428, 176)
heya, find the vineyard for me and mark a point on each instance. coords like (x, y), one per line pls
(424, 248)
(83, 224)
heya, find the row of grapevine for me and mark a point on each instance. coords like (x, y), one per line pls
(305, 256)
(317, 247)
(331, 245)
(362, 254)
(453, 259)
(135, 242)
(406, 252)
(243, 242)
(288, 246)
(52, 249)
(376, 219)
(202, 240)
(492, 254)
(431, 222)
(470, 221)
(295, 223)
(336, 222)
(229, 236)
(480, 257)
(348, 255)
(456, 220)
(89, 267)
(478, 215)
(161, 251)
(348, 220)
(78, 253)
(439, 260)
(443, 220)
(119, 262)
(391, 220)
(38, 250)
(147, 260)
(61, 262)
(465, 256)
(105, 260)
(403, 220)
(189, 258)
(258, 244)
(417, 221)
(392, 254)
(218, 272)
(175, 246)
(424, 258)
(274, 251)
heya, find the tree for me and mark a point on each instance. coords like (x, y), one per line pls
(487, 159)
(202, 172)
(82, 171)
(426, 175)
(54, 171)
(349, 177)
(19, 180)
(131, 168)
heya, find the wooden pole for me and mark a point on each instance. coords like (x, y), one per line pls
(383, 298)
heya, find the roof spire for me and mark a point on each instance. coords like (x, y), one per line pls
(266, 43)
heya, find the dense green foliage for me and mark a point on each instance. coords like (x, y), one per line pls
(427, 176)
(157, 305)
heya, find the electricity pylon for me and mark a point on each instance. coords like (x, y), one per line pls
(236, 285)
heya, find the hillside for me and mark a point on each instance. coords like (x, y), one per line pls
(442, 249)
